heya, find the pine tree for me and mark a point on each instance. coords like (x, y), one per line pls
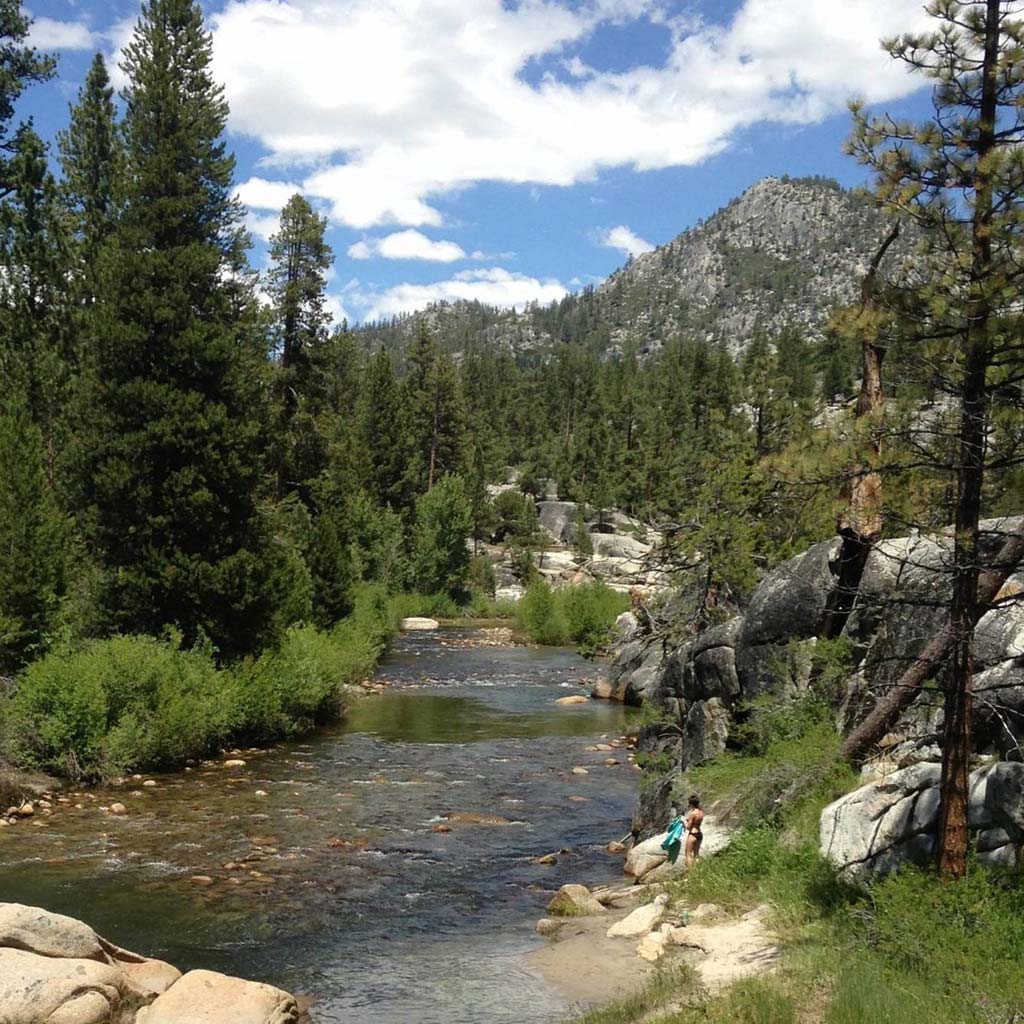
(435, 416)
(173, 460)
(381, 438)
(20, 66)
(299, 261)
(959, 178)
(92, 158)
(35, 334)
(31, 541)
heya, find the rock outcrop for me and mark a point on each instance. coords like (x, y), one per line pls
(56, 970)
(893, 820)
(702, 686)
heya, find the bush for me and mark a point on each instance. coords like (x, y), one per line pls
(118, 703)
(540, 615)
(583, 615)
(133, 702)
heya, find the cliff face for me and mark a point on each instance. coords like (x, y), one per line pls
(784, 253)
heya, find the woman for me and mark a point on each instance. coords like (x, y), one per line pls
(694, 834)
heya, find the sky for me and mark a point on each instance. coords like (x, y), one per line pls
(511, 150)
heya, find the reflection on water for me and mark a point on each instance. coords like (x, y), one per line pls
(328, 875)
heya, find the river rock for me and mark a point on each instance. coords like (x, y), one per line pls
(573, 701)
(494, 820)
(57, 990)
(417, 624)
(206, 997)
(575, 901)
(640, 921)
(645, 857)
(548, 926)
(652, 946)
(235, 762)
(39, 931)
(117, 809)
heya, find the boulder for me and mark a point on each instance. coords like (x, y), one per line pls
(57, 990)
(653, 804)
(607, 545)
(38, 931)
(893, 820)
(558, 519)
(625, 626)
(641, 921)
(206, 997)
(575, 901)
(417, 624)
(653, 945)
(645, 857)
(705, 732)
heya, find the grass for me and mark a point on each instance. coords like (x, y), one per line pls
(908, 947)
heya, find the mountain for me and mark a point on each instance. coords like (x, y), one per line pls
(784, 253)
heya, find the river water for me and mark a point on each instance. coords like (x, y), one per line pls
(337, 885)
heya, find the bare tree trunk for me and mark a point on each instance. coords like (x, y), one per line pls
(861, 524)
(963, 613)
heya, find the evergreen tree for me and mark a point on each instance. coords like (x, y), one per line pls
(20, 66)
(381, 439)
(435, 416)
(92, 158)
(173, 462)
(35, 334)
(31, 541)
(299, 262)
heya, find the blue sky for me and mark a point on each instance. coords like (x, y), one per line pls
(512, 150)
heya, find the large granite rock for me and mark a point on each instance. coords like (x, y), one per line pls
(206, 997)
(893, 820)
(558, 519)
(705, 732)
(57, 970)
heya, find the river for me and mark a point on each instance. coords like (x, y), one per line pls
(338, 885)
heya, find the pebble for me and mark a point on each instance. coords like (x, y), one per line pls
(580, 771)
(234, 763)
(261, 792)
(201, 880)
(442, 828)
(547, 859)
(611, 762)
(149, 782)
(26, 810)
(117, 809)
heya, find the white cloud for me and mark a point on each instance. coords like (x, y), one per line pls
(407, 245)
(491, 285)
(262, 225)
(52, 34)
(393, 104)
(260, 194)
(624, 239)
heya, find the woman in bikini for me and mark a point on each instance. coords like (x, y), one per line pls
(694, 835)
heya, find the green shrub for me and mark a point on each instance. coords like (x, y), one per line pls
(118, 703)
(540, 615)
(444, 520)
(590, 612)
(141, 702)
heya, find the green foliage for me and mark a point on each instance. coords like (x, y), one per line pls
(443, 522)
(581, 614)
(134, 702)
(170, 458)
(32, 543)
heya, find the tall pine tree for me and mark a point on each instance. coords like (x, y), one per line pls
(174, 457)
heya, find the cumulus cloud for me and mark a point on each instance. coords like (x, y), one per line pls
(491, 285)
(391, 105)
(53, 34)
(407, 245)
(625, 240)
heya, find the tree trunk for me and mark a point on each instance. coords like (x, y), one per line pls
(861, 524)
(963, 613)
